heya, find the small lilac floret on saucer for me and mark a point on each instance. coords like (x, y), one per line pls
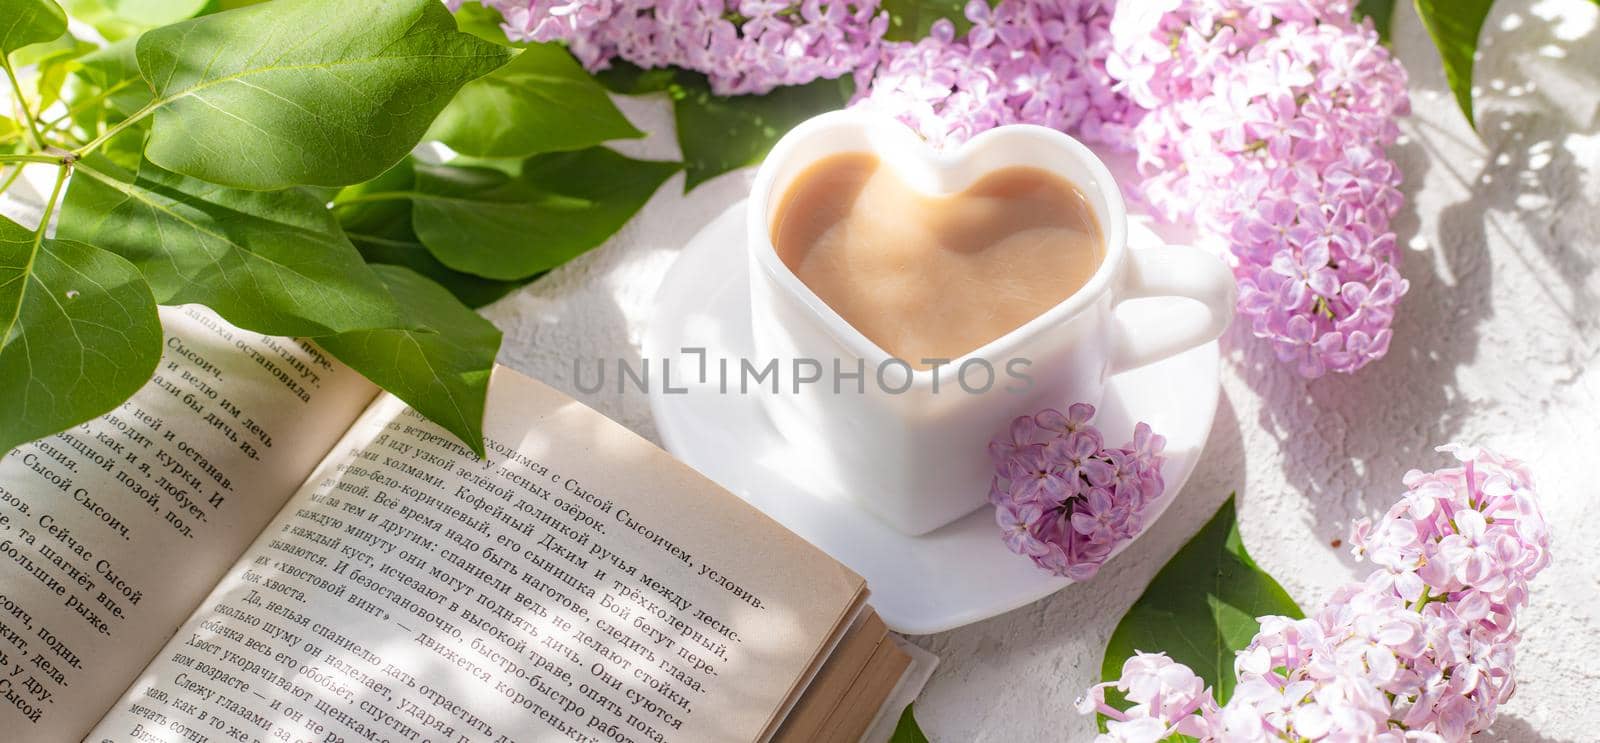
(1064, 499)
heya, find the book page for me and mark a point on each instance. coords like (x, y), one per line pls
(833, 680)
(578, 585)
(112, 532)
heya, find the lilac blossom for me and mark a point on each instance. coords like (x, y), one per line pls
(1264, 124)
(1064, 499)
(1024, 61)
(742, 46)
(1423, 650)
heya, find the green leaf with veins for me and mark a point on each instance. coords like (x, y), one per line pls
(126, 149)
(1454, 26)
(375, 215)
(490, 224)
(110, 90)
(24, 22)
(79, 334)
(542, 101)
(719, 134)
(113, 70)
(1202, 607)
(440, 365)
(274, 262)
(382, 231)
(484, 23)
(304, 92)
(472, 291)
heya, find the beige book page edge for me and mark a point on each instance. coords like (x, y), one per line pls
(916, 676)
(854, 715)
(844, 661)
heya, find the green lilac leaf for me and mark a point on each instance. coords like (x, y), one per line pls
(126, 149)
(1202, 607)
(472, 291)
(382, 231)
(53, 62)
(363, 207)
(114, 70)
(439, 365)
(626, 78)
(718, 134)
(110, 90)
(906, 730)
(1382, 14)
(99, 15)
(1454, 26)
(153, 13)
(509, 166)
(63, 47)
(541, 101)
(304, 92)
(910, 20)
(111, 64)
(484, 23)
(79, 334)
(24, 22)
(218, 6)
(490, 224)
(274, 262)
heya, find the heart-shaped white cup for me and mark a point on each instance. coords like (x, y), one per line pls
(910, 445)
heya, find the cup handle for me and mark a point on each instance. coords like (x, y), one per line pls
(1173, 272)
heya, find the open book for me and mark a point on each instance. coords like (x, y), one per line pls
(261, 547)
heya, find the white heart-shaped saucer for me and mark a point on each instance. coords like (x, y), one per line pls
(952, 576)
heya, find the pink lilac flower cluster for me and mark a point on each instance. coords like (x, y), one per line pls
(1262, 123)
(1265, 126)
(1024, 61)
(742, 46)
(1423, 649)
(1065, 499)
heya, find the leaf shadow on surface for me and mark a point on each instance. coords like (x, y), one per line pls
(1529, 107)
(1346, 441)
(1326, 429)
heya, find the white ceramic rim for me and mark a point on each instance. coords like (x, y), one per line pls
(889, 135)
(672, 427)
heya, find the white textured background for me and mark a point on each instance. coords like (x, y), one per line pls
(1495, 344)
